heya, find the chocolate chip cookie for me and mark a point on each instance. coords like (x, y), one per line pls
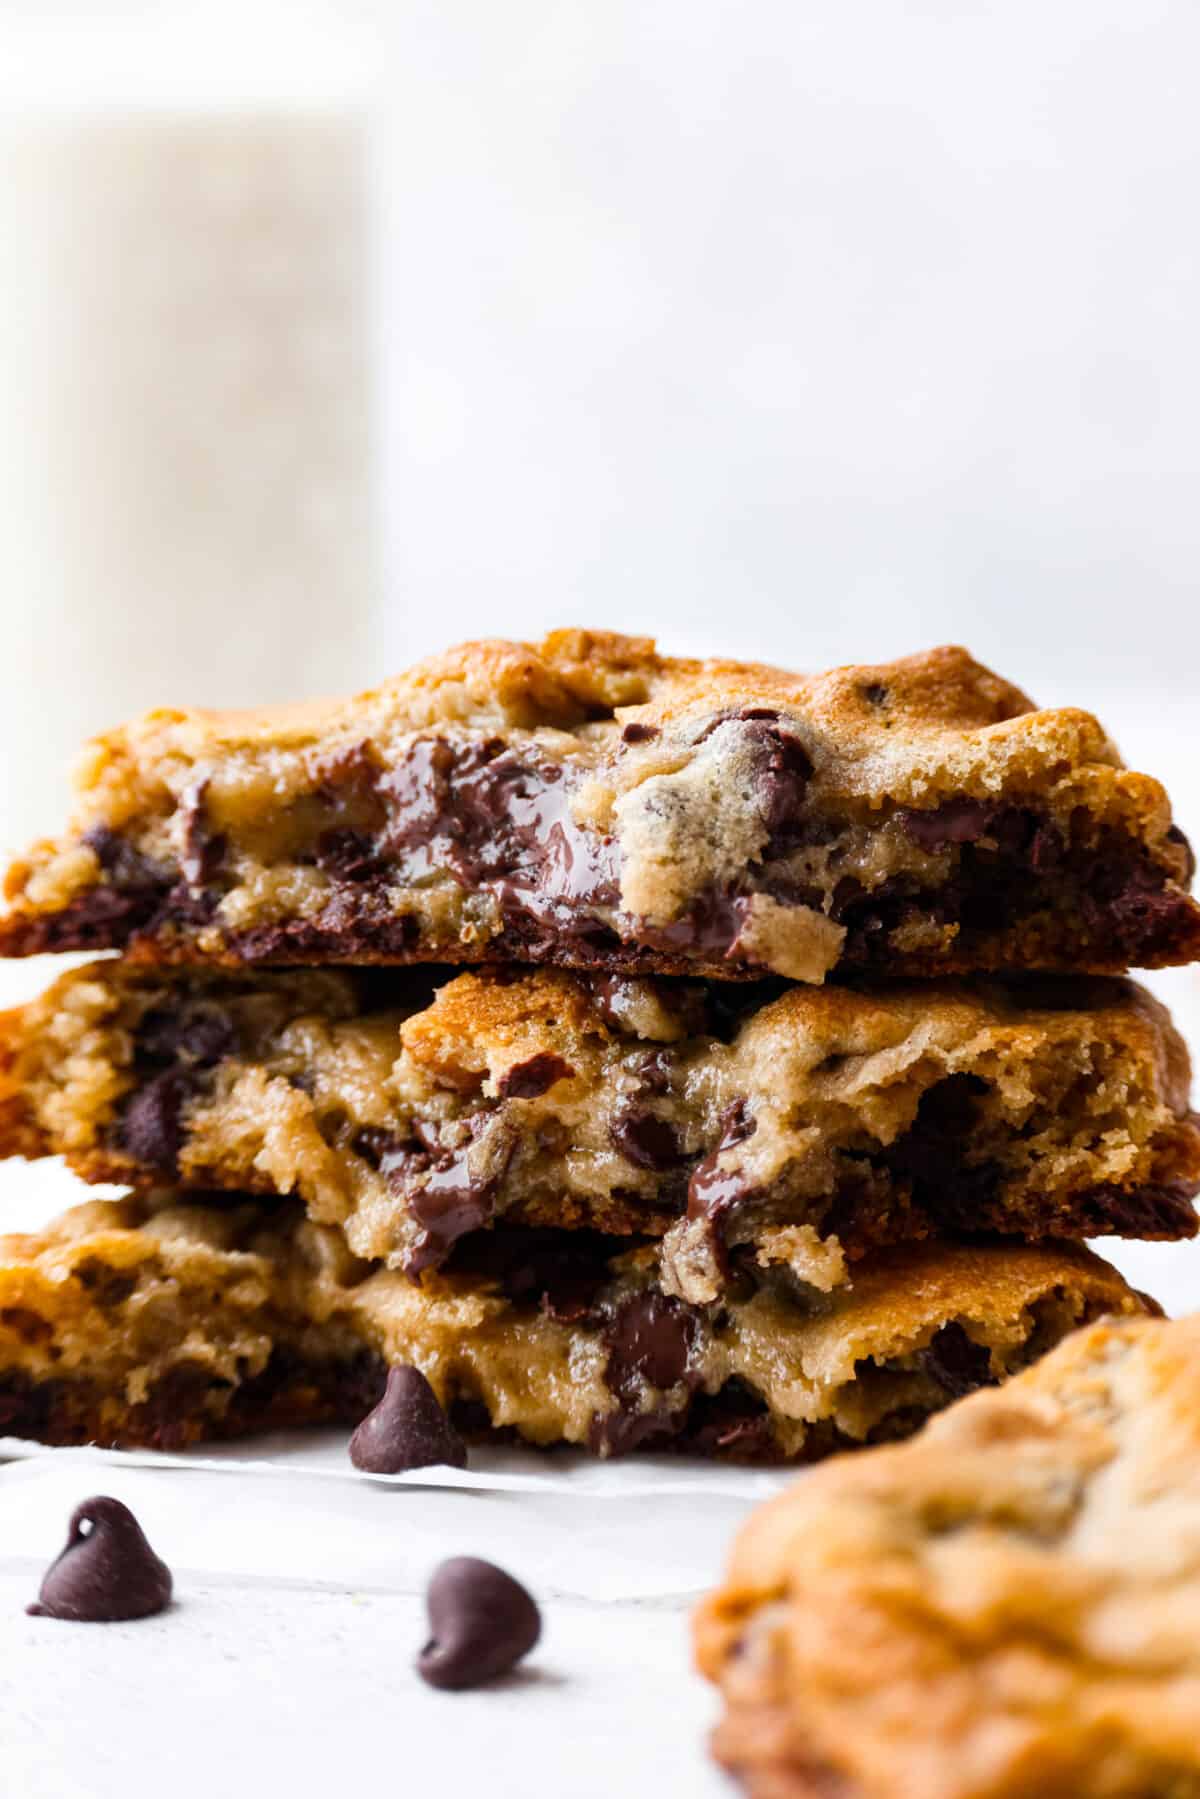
(802, 1127)
(1005, 1606)
(589, 803)
(164, 1322)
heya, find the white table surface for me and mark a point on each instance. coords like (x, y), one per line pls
(286, 1664)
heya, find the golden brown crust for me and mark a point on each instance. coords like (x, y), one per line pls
(165, 1322)
(806, 1127)
(665, 815)
(1005, 1605)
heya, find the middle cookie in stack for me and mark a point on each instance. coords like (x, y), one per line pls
(647, 1193)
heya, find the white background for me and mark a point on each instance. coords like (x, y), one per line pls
(807, 332)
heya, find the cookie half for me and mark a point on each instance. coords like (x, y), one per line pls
(589, 803)
(167, 1322)
(804, 1127)
(1006, 1605)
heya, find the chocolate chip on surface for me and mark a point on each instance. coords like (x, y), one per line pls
(481, 1623)
(407, 1429)
(107, 1571)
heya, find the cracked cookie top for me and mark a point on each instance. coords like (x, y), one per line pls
(590, 803)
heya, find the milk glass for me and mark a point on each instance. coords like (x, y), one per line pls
(185, 511)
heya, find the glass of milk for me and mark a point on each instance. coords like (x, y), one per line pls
(185, 489)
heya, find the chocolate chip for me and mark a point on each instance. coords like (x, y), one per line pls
(781, 777)
(620, 1432)
(639, 733)
(350, 855)
(644, 1140)
(958, 821)
(1175, 835)
(956, 1362)
(150, 1128)
(650, 1338)
(713, 1190)
(481, 1623)
(1153, 1212)
(198, 1034)
(407, 1429)
(654, 1071)
(106, 1572)
(875, 693)
(533, 1077)
(556, 1271)
(203, 850)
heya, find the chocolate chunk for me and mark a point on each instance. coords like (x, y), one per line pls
(635, 732)
(733, 1424)
(782, 774)
(650, 1338)
(150, 1128)
(535, 1076)
(1151, 1212)
(481, 1623)
(956, 1362)
(350, 855)
(958, 821)
(875, 693)
(203, 851)
(407, 1429)
(442, 1193)
(197, 1034)
(644, 1140)
(557, 1271)
(934, 1156)
(654, 1071)
(713, 1190)
(107, 1571)
(620, 1432)
(1175, 835)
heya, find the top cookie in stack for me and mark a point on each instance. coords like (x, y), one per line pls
(593, 1202)
(592, 804)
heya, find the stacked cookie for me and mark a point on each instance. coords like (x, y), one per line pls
(772, 1117)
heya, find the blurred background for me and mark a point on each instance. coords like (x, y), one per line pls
(331, 334)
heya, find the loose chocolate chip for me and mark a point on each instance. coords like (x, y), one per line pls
(645, 1140)
(650, 1341)
(481, 1623)
(957, 1363)
(531, 1078)
(639, 733)
(407, 1429)
(106, 1572)
(150, 1129)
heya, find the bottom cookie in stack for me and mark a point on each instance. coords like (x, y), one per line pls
(164, 1322)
